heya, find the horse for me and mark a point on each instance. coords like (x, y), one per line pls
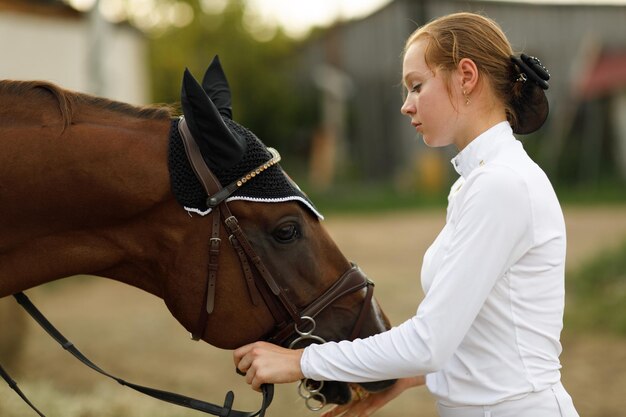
(94, 186)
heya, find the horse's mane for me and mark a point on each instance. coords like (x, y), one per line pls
(68, 101)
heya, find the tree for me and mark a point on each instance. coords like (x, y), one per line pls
(266, 94)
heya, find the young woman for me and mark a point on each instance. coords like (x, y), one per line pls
(485, 339)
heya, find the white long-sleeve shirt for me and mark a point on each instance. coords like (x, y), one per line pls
(488, 327)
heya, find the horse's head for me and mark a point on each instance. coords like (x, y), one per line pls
(276, 260)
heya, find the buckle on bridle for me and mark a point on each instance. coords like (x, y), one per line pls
(306, 387)
(312, 394)
(305, 335)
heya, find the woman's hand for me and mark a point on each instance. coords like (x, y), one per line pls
(265, 363)
(366, 405)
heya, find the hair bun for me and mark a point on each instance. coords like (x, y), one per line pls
(531, 105)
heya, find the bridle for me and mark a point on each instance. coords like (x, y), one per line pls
(286, 314)
(290, 321)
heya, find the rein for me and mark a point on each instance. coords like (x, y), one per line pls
(173, 398)
(290, 320)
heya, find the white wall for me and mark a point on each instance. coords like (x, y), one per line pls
(57, 48)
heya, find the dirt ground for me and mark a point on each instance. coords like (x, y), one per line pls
(131, 333)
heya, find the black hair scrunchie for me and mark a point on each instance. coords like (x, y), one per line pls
(531, 68)
(531, 107)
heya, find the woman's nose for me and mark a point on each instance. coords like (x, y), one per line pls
(408, 108)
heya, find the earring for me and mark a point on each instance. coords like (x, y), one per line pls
(467, 99)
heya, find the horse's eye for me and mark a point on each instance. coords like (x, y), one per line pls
(286, 233)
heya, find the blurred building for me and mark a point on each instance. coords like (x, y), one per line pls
(583, 46)
(48, 40)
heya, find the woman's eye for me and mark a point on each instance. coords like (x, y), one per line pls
(286, 233)
(416, 88)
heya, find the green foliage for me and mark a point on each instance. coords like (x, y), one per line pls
(372, 198)
(266, 97)
(608, 191)
(598, 291)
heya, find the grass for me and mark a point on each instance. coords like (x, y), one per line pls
(361, 197)
(382, 200)
(605, 192)
(598, 293)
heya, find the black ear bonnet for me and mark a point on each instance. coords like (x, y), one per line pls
(229, 149)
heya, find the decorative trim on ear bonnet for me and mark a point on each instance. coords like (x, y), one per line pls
(531, 107)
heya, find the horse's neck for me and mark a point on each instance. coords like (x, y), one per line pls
(74, 202)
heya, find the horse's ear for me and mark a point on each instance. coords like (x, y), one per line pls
(220, 147)
(216, 86)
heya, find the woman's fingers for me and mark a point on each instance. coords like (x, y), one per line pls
(265, 363)
(239, 354)
(336, 410)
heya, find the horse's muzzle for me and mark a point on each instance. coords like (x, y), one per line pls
(340, 392)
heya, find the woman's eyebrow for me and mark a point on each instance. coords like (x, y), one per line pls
(405, 79)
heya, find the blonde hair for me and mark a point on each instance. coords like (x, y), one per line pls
(468, 35)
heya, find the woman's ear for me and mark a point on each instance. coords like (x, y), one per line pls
(468, 72)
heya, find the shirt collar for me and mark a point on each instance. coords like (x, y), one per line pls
(477, 152)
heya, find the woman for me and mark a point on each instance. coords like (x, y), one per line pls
(485, 339)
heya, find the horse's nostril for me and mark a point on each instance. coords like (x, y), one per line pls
(341, 392)
(378, 385)
(337, 393)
